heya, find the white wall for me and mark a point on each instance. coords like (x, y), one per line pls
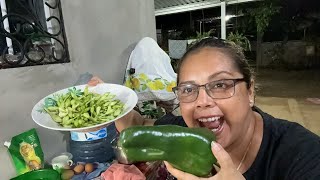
(101, 35)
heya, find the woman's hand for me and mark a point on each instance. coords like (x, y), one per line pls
(227, 170)
(133, 118)
(95, 80)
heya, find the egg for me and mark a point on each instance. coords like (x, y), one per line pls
(67, 174)
(78, 169)
(89, 167)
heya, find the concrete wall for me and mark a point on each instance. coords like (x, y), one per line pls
(101, 35)
(293, 53)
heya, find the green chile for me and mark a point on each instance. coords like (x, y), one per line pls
(187, 149)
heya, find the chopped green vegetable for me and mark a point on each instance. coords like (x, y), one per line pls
(82, 109)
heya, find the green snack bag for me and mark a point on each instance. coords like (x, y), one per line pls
(26, 152)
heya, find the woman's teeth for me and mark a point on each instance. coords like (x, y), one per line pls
(212, 119)
(216, 129)
(215, 124)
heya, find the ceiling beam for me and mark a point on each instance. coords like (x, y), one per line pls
(186, 7)
(168, 3)
(181, 1)
(161, 4)
(194, 6)
(157, 5)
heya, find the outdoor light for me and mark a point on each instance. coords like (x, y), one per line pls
(228, 17)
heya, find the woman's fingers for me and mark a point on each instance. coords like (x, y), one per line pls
(227, 168)
(180, 175)
(94, 81)
(222, 156)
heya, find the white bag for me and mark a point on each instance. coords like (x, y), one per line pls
(153, 77)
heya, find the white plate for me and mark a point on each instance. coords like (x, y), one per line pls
(124, 94)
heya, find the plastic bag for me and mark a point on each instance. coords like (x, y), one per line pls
(153, 77)
(26, 152)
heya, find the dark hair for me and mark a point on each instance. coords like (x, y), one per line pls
(229, 48)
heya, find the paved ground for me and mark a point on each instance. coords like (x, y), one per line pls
(288, 84)
(283, 94)
(294, 109)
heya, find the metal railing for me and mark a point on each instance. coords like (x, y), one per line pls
(32, 33)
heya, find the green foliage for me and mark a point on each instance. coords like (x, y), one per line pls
(201, 36)
(240, 40)
(263, 14)
(276, 56)
(149, 109)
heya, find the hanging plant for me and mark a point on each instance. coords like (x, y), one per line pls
(200, 36)
(240, 40)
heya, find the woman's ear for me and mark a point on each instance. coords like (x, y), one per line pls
(251, 93)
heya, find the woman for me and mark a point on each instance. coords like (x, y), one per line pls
(216, 91)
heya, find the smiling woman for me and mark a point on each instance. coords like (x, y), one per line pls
(216, 91)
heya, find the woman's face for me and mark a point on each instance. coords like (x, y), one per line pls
(226, 118)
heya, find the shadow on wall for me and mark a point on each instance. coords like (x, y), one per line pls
(125, 55)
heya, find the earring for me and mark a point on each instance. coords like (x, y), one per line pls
(251, 103)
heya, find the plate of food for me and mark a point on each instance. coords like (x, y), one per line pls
(81, 108)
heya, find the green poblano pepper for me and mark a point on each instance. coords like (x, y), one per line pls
(187, 149)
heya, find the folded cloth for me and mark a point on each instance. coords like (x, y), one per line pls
(120, 171)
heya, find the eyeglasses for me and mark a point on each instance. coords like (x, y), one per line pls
(221, 89)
